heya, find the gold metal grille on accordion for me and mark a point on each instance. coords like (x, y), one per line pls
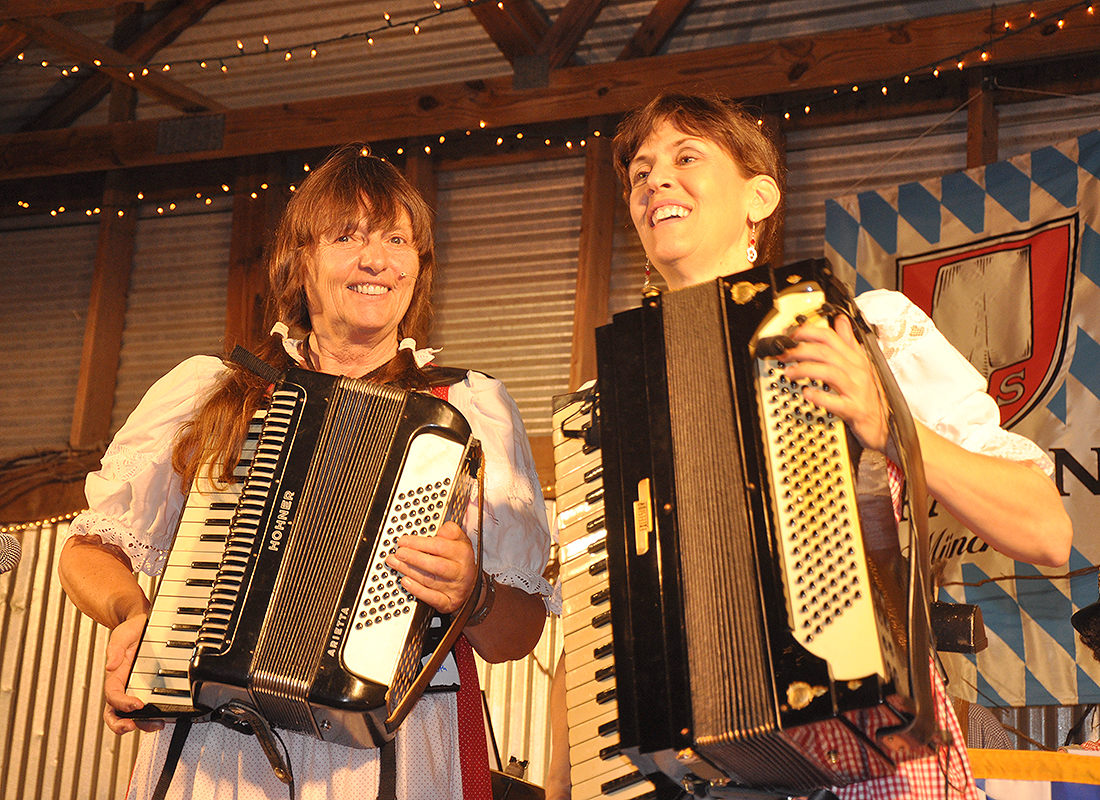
(300, 616)
(734, 601)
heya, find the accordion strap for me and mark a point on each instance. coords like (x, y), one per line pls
(172, 757)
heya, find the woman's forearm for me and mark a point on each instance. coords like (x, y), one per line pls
(512, 628)
(98, 580)
(1011, 505)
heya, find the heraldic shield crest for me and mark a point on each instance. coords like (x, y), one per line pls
(1004, 302)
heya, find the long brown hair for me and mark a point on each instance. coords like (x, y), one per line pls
(718, 120)
(351, 184)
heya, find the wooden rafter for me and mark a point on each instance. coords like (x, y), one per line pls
(12, 42)
(87, 94)
(572, 23)
(53, 34)
(10, 9)
(769, 68)
(655, 29)
(517, 28)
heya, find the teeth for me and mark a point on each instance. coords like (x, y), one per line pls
(665, 212)
(368, 288)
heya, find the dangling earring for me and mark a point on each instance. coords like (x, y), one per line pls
(647, 285)
(750, 251)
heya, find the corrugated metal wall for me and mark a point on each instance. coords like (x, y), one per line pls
(53, 743)
(46, 278)
(507, 249)
(177, 301)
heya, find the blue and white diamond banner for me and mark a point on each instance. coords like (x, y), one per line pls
(1006, 260)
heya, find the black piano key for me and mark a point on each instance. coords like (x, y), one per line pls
(602, 620)
(213, 537)
(594, 524)
(208, 582)
(622, 783)
(182, 645)
(605, 673)
(598, 546)
(593, 474)
(609, 752)
(603, 651)
(219, 505)
(608, 728)
(172, 673)
(217, 522)
(204, 565)
(595, 496)
(190, 611)
(182, 626)
(600, 597)
(605, 697)
(164, 692)
(598, 568)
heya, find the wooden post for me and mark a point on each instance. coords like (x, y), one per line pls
(591, 305)
(420, 171)
(254, 223)
(95, 388)
(981, 122)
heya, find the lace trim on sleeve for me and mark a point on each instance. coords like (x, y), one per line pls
(1013, 447)
(519, 579)
(143, 557)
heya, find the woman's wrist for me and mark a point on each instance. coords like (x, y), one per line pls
(487, 600)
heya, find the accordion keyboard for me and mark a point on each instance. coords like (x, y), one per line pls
(597, 768)
(159, 675)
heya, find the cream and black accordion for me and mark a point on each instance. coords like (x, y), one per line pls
(736, 603)
(280, 597)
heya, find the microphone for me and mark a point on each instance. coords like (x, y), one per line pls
(10, 552)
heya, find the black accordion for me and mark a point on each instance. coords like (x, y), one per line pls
(737, 611)
(280, 597)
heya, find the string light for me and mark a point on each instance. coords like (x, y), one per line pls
(20, 527)
(437, 9)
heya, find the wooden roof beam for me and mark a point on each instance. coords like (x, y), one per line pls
(13, 9)
(516, 29)
(12, 42)
(572, 23)
(655, 29)
(87, 94)
(53, 34)
(769, 68)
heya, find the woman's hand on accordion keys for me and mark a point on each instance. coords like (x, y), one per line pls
(121, 648)
(835, 358)
(441, 570)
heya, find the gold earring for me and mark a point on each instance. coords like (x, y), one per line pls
(647, 285)
(750, 251)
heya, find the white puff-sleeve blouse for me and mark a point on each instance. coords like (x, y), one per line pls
(944, 390)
